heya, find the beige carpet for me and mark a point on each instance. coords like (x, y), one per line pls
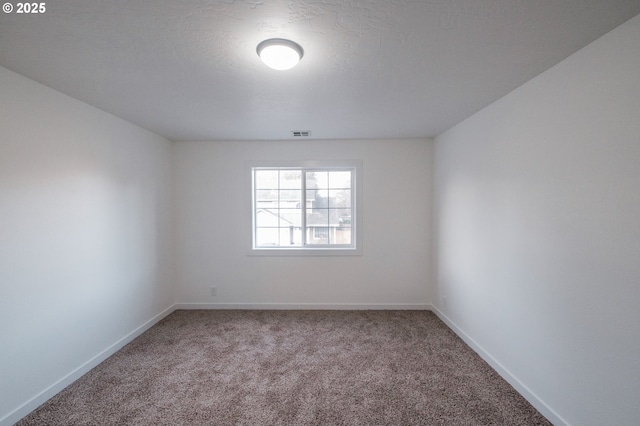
(292, 368)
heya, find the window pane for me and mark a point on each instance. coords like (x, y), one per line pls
(295, 236)
(266, 179)
(318, 235)
(318, 217)
(342, 236)
(340, 217)
(290, 198)
(290, 179)
(340, 179)
(339, 198)
(266, 218)
(317, 199)
(317, 179)
(290, 217)
(289, 236)
(267, 237)
(278, 237)
(311, 196)
(344, 218)
(266, 195)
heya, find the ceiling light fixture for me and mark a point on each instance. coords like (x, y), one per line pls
(280, 54)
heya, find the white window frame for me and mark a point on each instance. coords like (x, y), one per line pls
(354, 249)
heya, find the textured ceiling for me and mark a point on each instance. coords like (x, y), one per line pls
(188, 70)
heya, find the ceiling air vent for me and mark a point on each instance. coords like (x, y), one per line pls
(301, 133)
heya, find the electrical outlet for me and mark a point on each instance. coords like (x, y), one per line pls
(214, 291)
(444, 301)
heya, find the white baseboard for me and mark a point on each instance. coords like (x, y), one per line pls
(52, 390)
(522, 389)
(308, 306)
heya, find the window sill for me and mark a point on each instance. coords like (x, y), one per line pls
(305, 252)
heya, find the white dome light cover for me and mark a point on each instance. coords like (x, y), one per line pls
(280, 54)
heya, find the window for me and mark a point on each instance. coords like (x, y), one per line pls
(305, 207)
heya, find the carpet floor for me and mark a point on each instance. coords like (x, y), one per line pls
(291, 368)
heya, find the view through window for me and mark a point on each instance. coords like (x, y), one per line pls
(302, 207)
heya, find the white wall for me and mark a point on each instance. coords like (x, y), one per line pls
(538, 222)
(85, 252)
(212, 190)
